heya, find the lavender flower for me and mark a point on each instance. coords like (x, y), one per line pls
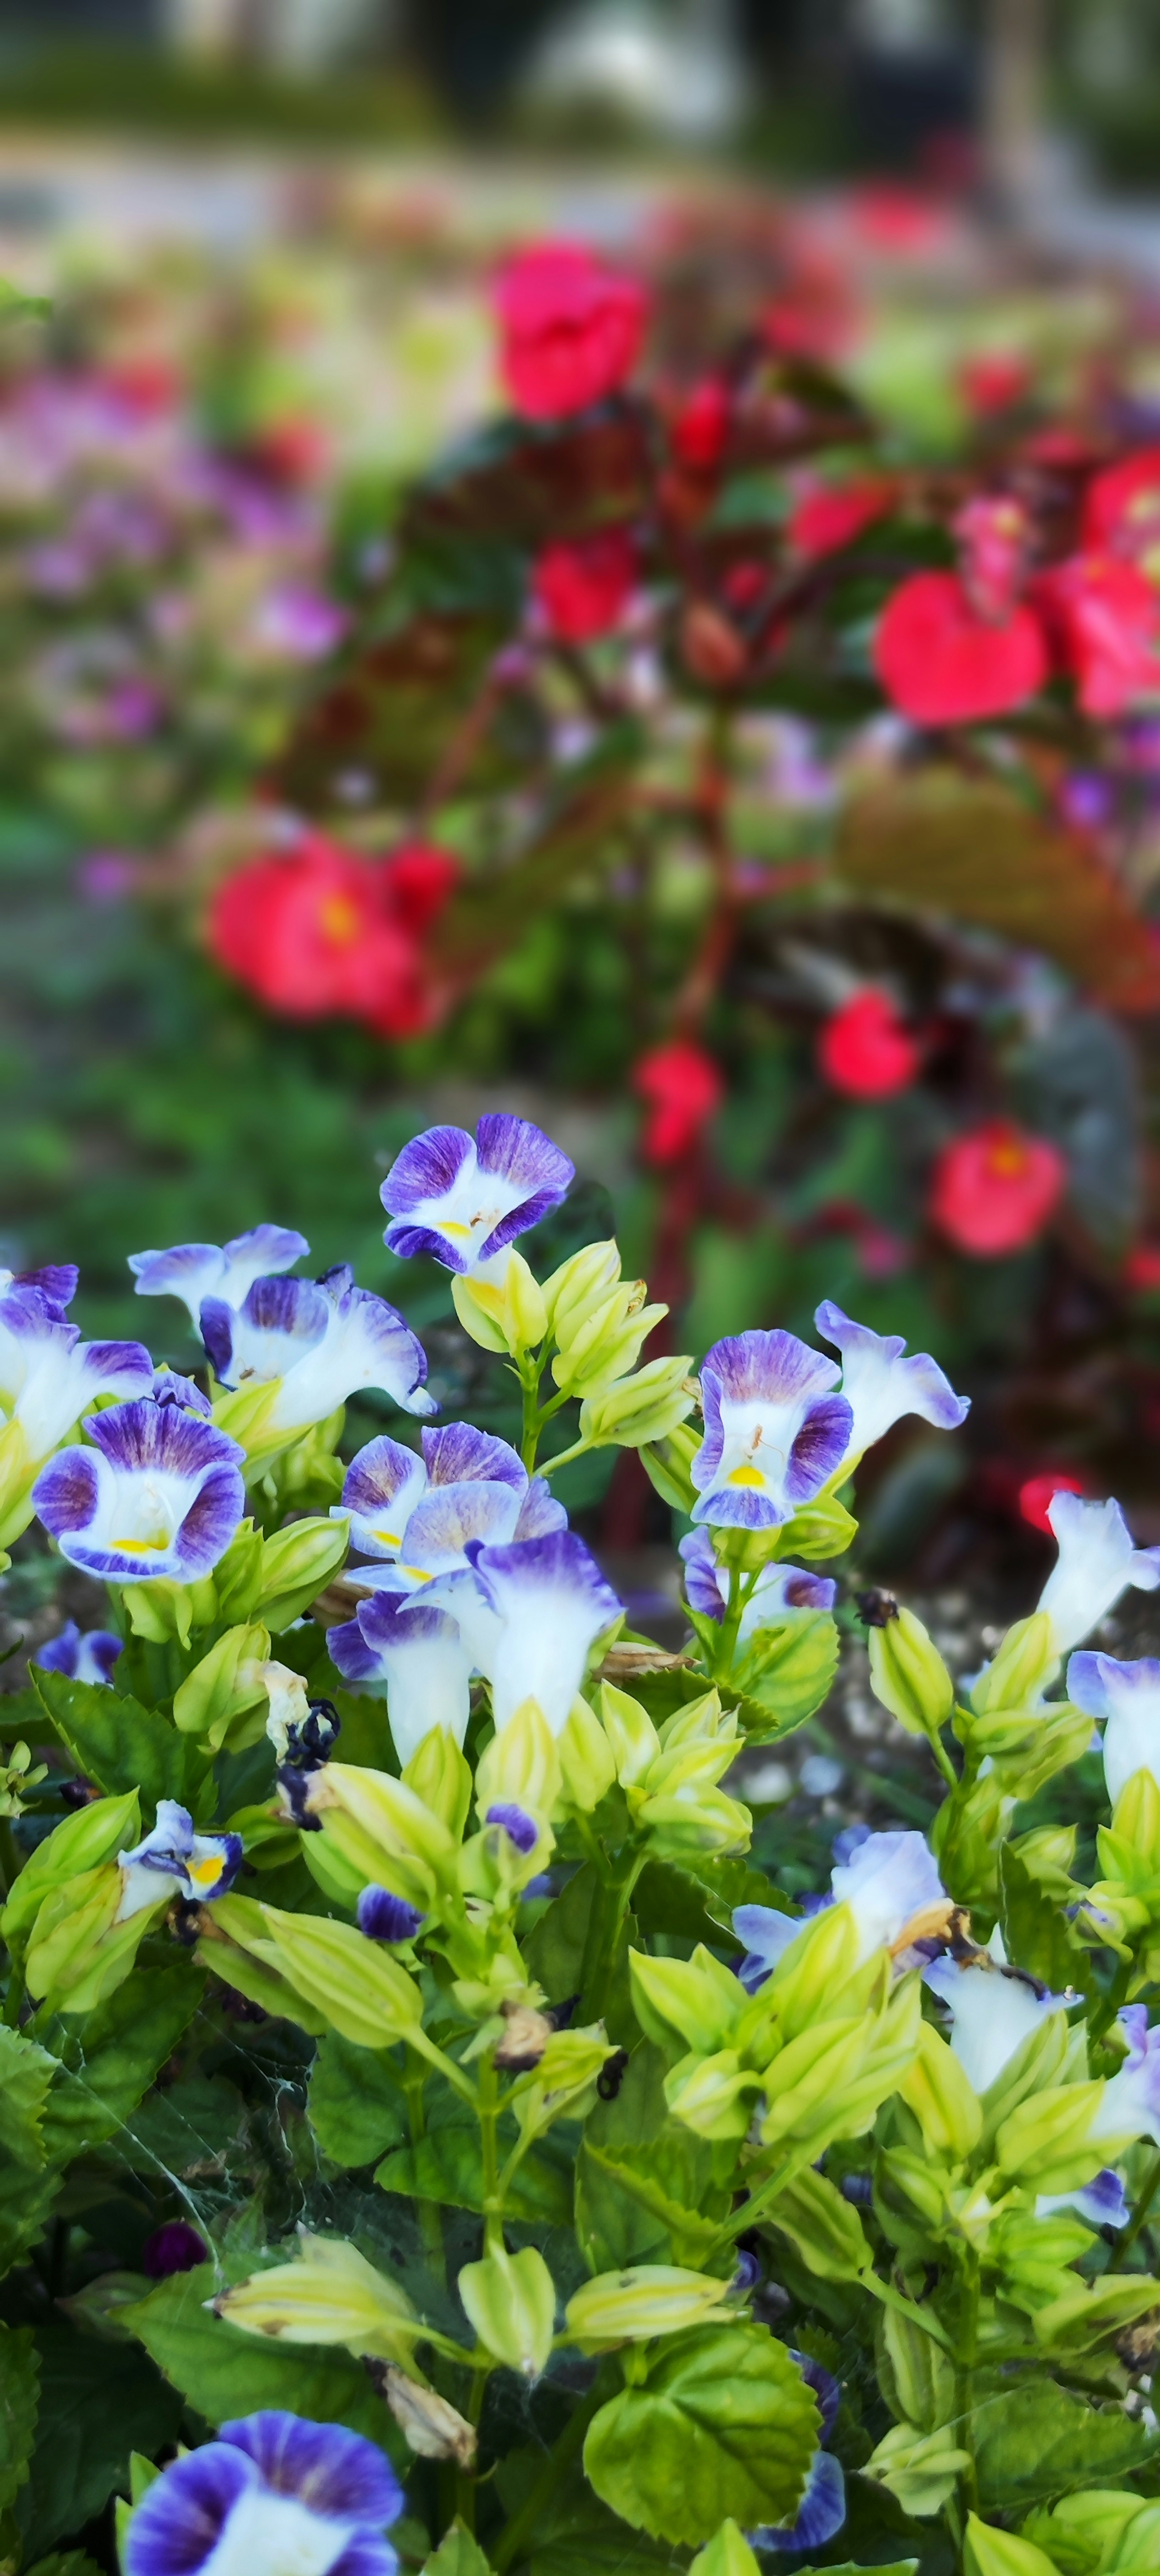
(158, 1493)
(463, 1200)
(272, 2493)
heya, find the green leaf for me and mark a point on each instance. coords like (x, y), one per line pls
(697, 1899)
(123, 1746)
(786, 1673)
(645, 2188)
(19, 2393)
(447, 2166)
(458, 2555)
(98, 2401)
(1034, 2439)
(25, 2201)
(186, 2130)
(26, 2072)
(724, 2425)
(824, 2229)
(1033, 1891)
(67, 2562)
(356, 2103)
(108, 2066)
(224, 2372)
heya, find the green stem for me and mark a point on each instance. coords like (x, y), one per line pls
(1139, 2216)
(965, 2357)
(465, 2489)
(942, 1757)
(923, 2318)
(492, 2203)
(523, 2524)
(579, 1449)
(606, 1963)
(430, 2216)
(529, 1376)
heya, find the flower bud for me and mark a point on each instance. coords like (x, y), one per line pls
(667, 1462)
(727, 2554)
(697, 2000)
(632, 1738)
(330, 2295)
(713, 2096)
(297, 1564)
(379, 1824)
(439, 1776)
(73, 1848)
(580, 1284)
(642, 1408)
(697, 1818)
(822, 1528)
(509, 1316)
(1047, 2141)
(604, 1341)
(521, 1765)
(646, 2299)
(78, 1953)
(226, 1695)
(431, 2428)
(587, 1769)
(562, 2079)
(920, 2470)
(511, 2302)
(988, 2552)
(363, 1993)
(1022, 1668)
(908, 1675)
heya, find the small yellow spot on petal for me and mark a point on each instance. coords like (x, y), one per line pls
(745, 1476)
(451, 1225)
(205, 1873)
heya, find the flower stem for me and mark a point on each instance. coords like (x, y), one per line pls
(549, 1465)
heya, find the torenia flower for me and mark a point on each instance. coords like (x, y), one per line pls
(550, 1601)
(1101, 2202)
(420, 1653)
(272, 2493)
(773, 1434)
(993, 2009)
(463, 1201)
(1097, 1562)
(779, 1588)
(1128, 1696)
(323, 1339)
(880, 1384)
(87, 1658)
(1131, 2104)
(194, 1271)
(158, 1493)
(822, 2510)
(48, 1376)
(174, 1861)
(420, 1513)
(890, 1883)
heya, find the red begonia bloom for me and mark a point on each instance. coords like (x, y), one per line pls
(1108, 623)
(1038, 1491)
(941, 663)
(864, 1050)
(833, 514)
(570, 328)
(994, 380)
(682, 1087)
(1121, 513)
(700, 427)
(583, 583)
(315, 931)
(994, 1189)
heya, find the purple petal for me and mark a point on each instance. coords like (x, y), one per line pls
(819, 1449)
(456, 1454)
(1101, 1684)
(65, 1493)
(145, 1434)
(390, 1619)
(175, 2247)
(157, 1273)
(326, 2467)
(703, 1590)
(61, 1654)
(422, 1243)
(513, 1150)
(445, 1524)
(270, 1247)
(774, 1367)
(383, 1917)
(56, 1282)
(426, 1168)
(351, 1655)
(366, 2554)
(534, 1566)
(377, 1474)
(181, 2517)
(123, 1369)
(821, 2513)
(216, 1323)
(210, 1522)
(170, 1388)
(520, 1829)
(825, 2388)
(539, 1512)
(767, 1935)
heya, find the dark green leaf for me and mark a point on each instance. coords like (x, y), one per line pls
(186, 2130)
(1033, 1891)
(1034, 2439)
(25, 2201)
(19, 2388)
(98, 2401)
(26, 2072)
(224, 2372)
(723, 2425)
(120, 1745)
(356, 2103)
(108, 2065)
(457, 2555)
(447, 2166)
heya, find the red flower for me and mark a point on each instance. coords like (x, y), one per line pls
(1121, 511)
(1142, 1268)
(994, 1189)
(833, 514)
(994, 380)
(701, 426)
(683, 1087)
(941, 663)
(314, 930)
(570, 328)
(864, 1050)
(1039, 1491)
(1106, 617)
(582, 583)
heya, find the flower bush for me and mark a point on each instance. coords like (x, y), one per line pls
(427, 2138)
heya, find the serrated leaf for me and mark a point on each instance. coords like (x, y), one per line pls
(786, 1672)
(123, 1746)
(724, 2426)
(107, 2067)
(26, 2200)
(1036, 1931)
(19, 2397)
(26, 2073)
(356, 2104)
(1034, 2440)
(98, 2402)
(225, 2373)
(974, 849)
(458, 2554)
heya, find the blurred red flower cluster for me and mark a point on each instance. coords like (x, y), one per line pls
(315, 930)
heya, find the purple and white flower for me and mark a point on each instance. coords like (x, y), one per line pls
(175, 1861)
(548, 1602)
(462, 1200)
(420, 1653)
(881, 1384)
(55, 1283)
(169, 1387)
(194, 1271)
(890, 1883)
(779, 1589)
(158, 1493)
(272, 2494)
(48, 1375)
(1128, 1697)
(774, 1435)
(993, 2009)
(383, 1917)
(1097, 1562)
(418, 1516)
(322, 1339)
(822, 2510)
(87, 1658)
(1131, 2104)
(1102, 2202)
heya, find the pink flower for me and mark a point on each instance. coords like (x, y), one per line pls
(583, 583)
(683, 1086)
(941, 663)
(1105, 615)
(570, 328)
(1037, 1494)
(864, 1049)
(994, 1189)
